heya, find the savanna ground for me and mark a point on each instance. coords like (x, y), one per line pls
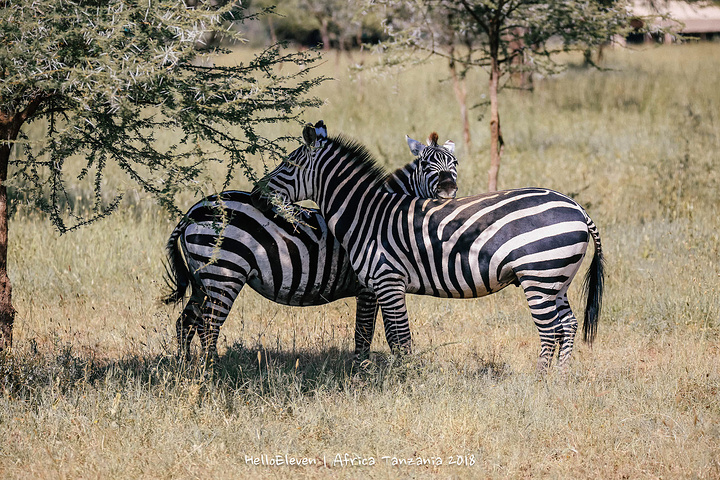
(92, 387)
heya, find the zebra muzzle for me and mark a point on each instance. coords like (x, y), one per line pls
(446, 187)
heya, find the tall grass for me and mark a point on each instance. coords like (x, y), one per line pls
(93, 389)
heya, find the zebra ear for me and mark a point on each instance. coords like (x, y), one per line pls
(321, 130)
(449, 146)
(309, 135)
(415, 146)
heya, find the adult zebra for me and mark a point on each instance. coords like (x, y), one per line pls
(224, 243)
(468, 247)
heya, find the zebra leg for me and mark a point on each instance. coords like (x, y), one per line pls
(208, 338)
(220, 298)
(186, 325)
(568, 327)
(543, 309)
(365, 315)
(391, 298)
(213, 318)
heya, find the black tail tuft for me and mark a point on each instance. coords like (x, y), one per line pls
(177, 275)
(593, 286)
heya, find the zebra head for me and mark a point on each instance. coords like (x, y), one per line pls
(290, 181)
(436, 172)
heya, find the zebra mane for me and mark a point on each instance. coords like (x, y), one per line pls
(362, 158)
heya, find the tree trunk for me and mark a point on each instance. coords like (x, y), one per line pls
(10, 124)
(271, 27)
(521, 77)
(496, 140)
(325, 34)
(460, 88)
(7, 312)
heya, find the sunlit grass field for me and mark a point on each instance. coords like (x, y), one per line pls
(92, 388)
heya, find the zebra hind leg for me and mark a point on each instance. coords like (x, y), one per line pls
(544, 311)
(214, 316)
(220, 296)
(209, 332)
(186, 326)
(568, 327)
(547, 350)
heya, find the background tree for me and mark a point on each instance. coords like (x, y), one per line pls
(103, 78)
(501, 37)
(330, 24)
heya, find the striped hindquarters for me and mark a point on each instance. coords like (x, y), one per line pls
(238, 244)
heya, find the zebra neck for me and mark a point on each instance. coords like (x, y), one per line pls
(346, 180)
(348, 200)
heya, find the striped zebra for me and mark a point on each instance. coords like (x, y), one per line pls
(534, 238)
(224, 243)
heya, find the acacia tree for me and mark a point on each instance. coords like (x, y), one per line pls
(501, 37)
(104, 78)
(336, 21)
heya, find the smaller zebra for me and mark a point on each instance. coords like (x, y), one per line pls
(224, 242)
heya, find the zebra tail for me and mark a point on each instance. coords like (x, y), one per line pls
(593, 286)
(177, 275)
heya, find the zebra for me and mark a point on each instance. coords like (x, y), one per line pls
(224, 243)
(534, 238)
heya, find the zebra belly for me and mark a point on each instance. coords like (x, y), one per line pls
(343, 285)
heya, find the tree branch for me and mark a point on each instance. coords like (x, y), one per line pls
(480, 21)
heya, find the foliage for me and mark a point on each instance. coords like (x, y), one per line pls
(108, 78)
(329, 23)
(471, 33)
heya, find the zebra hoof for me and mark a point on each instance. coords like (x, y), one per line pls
(401, 350)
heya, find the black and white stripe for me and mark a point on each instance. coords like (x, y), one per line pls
(469, 247)
(224, 243)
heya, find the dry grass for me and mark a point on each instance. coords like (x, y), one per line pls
(92, 388)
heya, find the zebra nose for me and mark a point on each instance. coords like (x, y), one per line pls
(446, 187)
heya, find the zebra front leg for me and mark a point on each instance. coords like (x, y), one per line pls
(391, 298)
(365, 315)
